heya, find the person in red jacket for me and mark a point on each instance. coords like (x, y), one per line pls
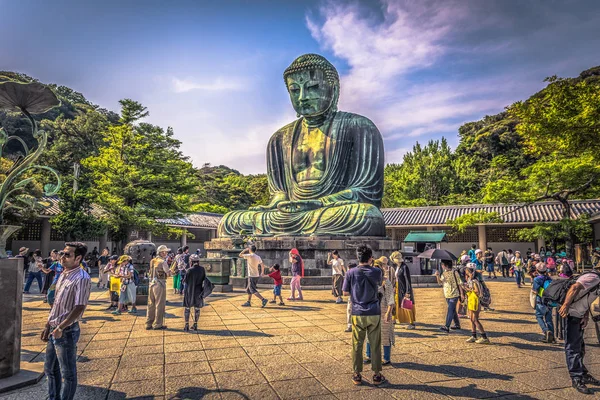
(278, 283)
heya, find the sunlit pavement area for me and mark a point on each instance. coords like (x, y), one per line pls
(300, 351)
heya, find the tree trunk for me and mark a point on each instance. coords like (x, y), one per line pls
(76, 170)
(570, 242)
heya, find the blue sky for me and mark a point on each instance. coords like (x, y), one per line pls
(213, 69)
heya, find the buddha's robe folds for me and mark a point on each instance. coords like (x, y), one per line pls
(349, 183)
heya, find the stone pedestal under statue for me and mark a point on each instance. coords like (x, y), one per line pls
(11, 298)
(313, 251)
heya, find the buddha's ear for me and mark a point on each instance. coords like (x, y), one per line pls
(335, 98)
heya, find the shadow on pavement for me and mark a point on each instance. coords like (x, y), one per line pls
(198, 393)
(510, 321)
(295, 307)
(471, 391)
(225, 332)
(452, 371)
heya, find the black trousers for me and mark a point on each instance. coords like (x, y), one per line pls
(574, 347)
(505, 272)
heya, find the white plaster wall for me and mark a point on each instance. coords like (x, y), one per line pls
(456, 247)
(522, 247)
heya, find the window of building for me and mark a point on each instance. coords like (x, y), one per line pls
(470, 235)
(501, 234)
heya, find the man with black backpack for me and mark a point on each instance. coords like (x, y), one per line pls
(576, 310)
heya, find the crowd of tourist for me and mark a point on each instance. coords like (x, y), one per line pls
(379, 295)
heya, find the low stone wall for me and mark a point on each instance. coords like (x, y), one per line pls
(313, 251)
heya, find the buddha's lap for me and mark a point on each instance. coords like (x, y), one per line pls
(345, 217)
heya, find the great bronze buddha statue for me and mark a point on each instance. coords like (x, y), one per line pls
(325, 170)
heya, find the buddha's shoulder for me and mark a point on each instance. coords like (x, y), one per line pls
(356, 119)
(287, 129)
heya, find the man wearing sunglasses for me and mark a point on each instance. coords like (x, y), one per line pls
(71, 298)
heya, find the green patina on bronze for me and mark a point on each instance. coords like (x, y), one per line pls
(325, 169)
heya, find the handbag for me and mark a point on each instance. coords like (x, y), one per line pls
(407, 304)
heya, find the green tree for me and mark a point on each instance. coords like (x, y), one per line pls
(140, 175)
(429, 175)
(560, 126)
(229, 190)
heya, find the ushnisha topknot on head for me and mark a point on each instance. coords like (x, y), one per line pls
(307, 62)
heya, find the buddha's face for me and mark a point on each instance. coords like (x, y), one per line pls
(310, 92)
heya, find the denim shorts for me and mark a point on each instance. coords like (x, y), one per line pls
(490, 267)
(277, 290)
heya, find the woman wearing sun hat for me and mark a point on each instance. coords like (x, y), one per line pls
(124, 272)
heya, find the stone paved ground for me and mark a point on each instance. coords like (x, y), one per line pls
(301, 351)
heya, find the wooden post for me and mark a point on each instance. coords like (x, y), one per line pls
(482, 236)
(102, 242)
(45, 237)
(183, 240)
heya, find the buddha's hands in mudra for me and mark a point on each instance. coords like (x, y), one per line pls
(299, 206)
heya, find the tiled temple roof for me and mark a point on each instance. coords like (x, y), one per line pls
(547, 211)
(196, 220)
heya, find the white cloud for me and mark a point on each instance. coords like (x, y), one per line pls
(381, 51)
(216, 85)
(245, 149)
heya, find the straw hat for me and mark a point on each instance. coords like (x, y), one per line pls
(397, 257)
(123, 259)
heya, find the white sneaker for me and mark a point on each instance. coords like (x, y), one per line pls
(482, 340)
(471, 340)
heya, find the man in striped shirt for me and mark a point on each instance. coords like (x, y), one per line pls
(71, 299)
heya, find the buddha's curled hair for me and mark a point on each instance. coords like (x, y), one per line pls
(307, 62)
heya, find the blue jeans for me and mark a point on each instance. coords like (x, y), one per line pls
(518, 277)
(387, 352)
(451, 314)
(543, 314)
(30, 277)
(61, 363)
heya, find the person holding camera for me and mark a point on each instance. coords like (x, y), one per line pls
(362, 283)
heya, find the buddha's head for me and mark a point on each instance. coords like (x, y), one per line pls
(313, 84)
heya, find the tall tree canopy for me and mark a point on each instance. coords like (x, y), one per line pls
(429, 175)
(140, 174)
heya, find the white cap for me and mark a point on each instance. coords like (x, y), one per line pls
(162, 248)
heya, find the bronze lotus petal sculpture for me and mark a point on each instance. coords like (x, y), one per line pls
(34, 97)
(28, 98)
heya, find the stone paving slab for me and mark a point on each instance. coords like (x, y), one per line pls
(301, 351)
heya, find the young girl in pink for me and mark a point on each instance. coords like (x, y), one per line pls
(297, 274)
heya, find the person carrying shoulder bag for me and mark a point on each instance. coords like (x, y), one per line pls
(450, 280)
